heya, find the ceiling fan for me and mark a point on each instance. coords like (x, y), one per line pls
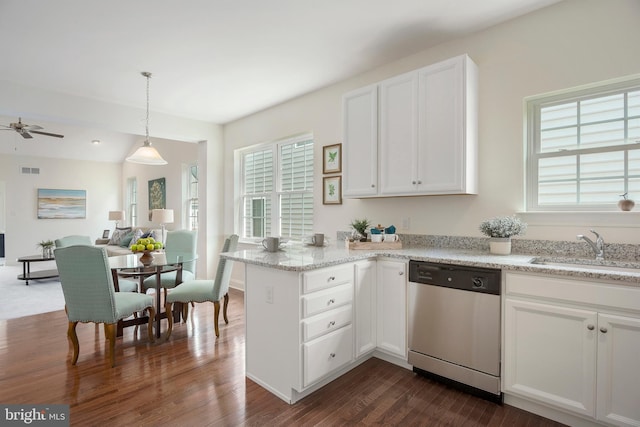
(26, 130)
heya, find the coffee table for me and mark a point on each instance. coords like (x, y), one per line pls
(27, 274)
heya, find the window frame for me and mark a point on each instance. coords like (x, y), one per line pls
(533, 106)
(275, 194)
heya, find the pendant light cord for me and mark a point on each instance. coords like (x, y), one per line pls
(148, 76)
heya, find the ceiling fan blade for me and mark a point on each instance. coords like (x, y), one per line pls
(55, 135)
(25, 135)
(32, 127)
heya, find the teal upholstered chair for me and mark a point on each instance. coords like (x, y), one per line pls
(206, 290)
(89, 295)
(178, 243)
(63, 242)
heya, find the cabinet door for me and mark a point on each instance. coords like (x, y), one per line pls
(446, 150)
(618, 370)
(392, 307)
(550, 354)
(360, 142)
(398, 134)
(365, 307)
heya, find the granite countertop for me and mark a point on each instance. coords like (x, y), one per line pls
(298, 258)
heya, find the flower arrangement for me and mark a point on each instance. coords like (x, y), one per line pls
(503, 227)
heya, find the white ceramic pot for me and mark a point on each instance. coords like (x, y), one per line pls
(500, 245)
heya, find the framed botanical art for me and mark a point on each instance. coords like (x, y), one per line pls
(332, 190)
(332, 158)
(157, 195)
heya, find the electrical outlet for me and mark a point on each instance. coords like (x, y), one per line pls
(269, 294)
(406, 223)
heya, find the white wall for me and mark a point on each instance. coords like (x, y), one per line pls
(572, 43)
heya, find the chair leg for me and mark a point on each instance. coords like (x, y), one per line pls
(167, 309)
(71, 333)
(152, 315)
(110, 330)
(185, 311)
(216, 314)
(224, 310)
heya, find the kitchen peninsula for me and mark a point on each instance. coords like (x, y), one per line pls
(313, 314)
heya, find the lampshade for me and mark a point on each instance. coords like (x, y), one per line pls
(116, 215)
(147, 155)
(162, 216)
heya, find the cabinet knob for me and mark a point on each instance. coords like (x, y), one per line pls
(332, 323)
(331, 278)
(603, 330)
(401, 273)
(331, 301)
(332, 355)
(413, 182)
(419, 182)
(590, 327)
(373, 186)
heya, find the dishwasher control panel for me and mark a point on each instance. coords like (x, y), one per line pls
(475, 279)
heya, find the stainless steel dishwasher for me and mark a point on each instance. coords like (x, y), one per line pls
(454, 325)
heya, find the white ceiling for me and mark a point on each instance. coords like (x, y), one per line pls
(219, 60)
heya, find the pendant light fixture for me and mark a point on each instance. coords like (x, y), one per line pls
(147, 155)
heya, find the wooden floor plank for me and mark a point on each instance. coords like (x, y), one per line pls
(195, 379)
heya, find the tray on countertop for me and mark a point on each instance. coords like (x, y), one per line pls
(373, 245)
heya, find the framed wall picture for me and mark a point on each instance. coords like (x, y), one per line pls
(332, 158)
(105, 234)
(332, 190)
(61, 204)
(157, 195)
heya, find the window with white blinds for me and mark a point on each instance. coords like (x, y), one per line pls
(132, 201)
(277, 189)
(584, 148)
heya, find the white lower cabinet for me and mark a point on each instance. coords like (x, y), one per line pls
(574, 345)
(365, 307)
(303, 329)
(392, 307)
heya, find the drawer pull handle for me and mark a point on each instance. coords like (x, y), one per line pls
(603, 330)
(332, 355)
(331, 278)
(331, 301)
(332, 323)
(590, 327)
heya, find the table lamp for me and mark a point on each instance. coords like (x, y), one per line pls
(116, 216)
(162, 217)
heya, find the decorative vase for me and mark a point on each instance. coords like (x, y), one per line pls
(500, 245)
(626, 205)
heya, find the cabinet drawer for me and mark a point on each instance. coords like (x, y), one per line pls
(328, 299)
(326, 322)
(326, 354)
(326, 278)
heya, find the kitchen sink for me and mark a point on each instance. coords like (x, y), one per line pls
(619, 266)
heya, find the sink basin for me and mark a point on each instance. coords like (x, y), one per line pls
(618, 266)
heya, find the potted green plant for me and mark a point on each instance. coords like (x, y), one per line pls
(47, 248)
(360, 226)
(501, 230)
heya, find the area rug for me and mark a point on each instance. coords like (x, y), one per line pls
(19, 300)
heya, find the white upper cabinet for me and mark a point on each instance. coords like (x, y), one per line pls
(360, 155)
(426, 138)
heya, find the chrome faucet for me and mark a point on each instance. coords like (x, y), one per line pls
(598, 246)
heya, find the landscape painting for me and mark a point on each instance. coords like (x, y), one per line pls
(61, 204)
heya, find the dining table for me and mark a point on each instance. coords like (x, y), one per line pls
(140, 266)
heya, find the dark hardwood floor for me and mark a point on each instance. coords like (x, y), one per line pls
(195, 380)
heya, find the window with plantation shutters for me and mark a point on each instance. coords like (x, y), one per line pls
(584, 148)
(277, 189)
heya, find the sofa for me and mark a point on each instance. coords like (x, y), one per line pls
(121, 239)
